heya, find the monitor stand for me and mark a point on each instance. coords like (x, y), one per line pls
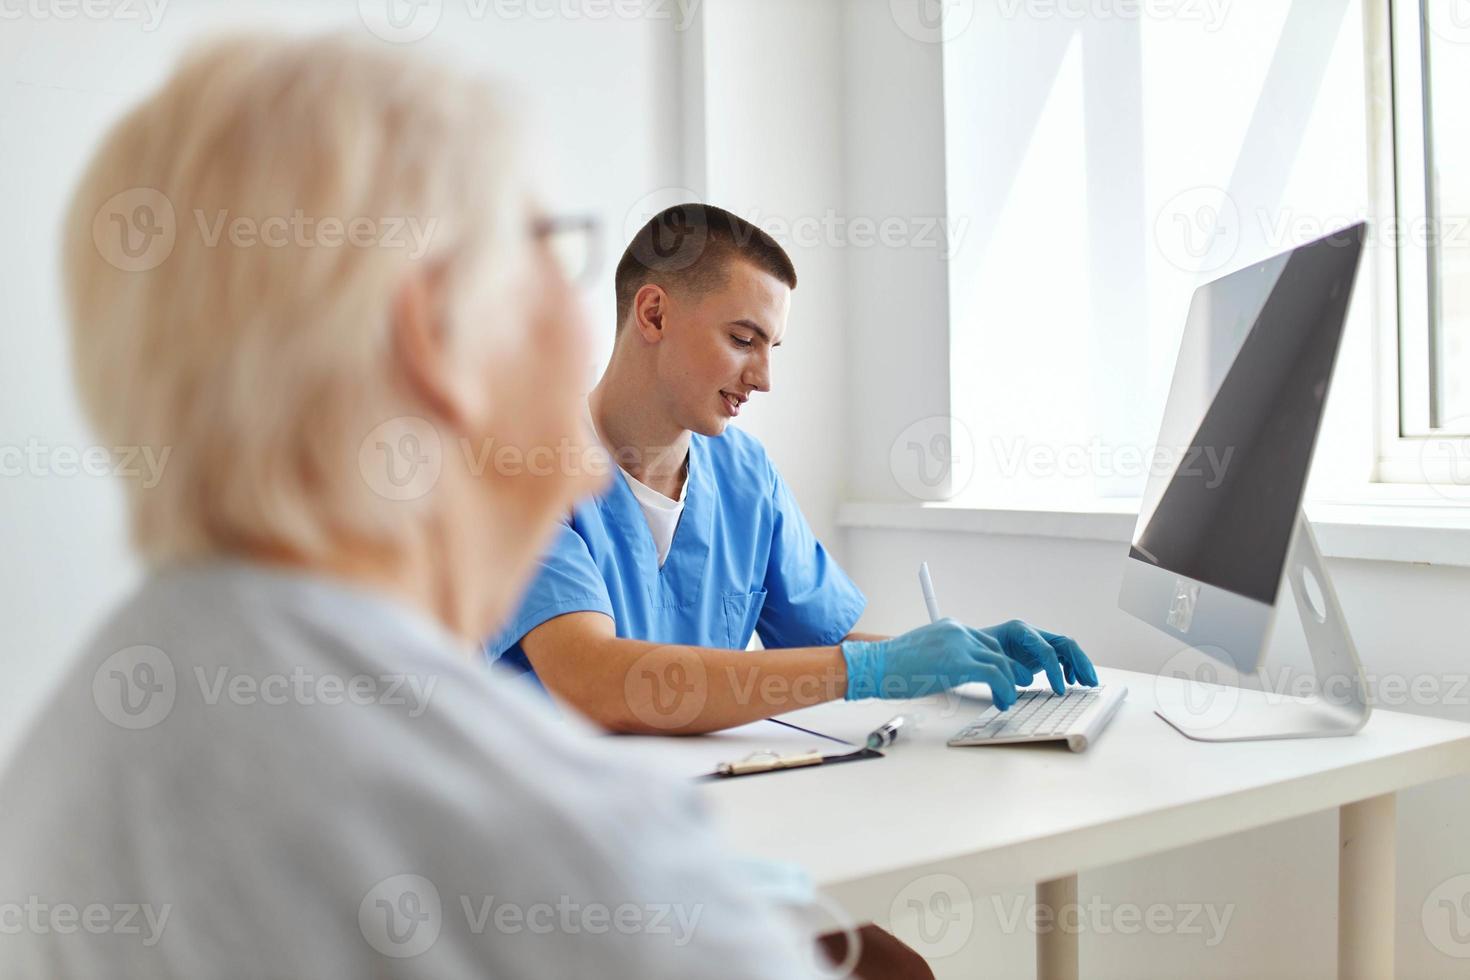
(1340, 704)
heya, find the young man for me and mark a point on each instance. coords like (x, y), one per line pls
(644, 605)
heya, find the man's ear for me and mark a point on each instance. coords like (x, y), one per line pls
(650, 307)
(419, 348)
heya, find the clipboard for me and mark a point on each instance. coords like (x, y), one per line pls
(696, 757)
(762, 762)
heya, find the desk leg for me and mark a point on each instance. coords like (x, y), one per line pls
(1365, 888)
(1056, 948)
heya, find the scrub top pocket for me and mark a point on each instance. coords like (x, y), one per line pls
(742, 612)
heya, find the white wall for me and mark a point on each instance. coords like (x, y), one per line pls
(604, 90)
(896, 342)
(773, 154)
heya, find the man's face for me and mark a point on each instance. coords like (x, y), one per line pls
(716, 349)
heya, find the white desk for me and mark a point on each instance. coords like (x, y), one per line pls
(1143, 788)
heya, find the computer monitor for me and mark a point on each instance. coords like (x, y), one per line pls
(1221, 527)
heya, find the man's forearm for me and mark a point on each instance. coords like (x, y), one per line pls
(650, 688)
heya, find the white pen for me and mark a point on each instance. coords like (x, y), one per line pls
(927, 584)
(885, 734)
(932, 604)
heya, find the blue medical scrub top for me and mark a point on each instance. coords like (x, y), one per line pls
(743, 560)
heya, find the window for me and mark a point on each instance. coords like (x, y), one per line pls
(1106, 166)
(1102, 168)
(1423, 431)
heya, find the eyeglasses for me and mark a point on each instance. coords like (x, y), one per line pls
(573, 242)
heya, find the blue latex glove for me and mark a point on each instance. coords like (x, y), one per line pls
(930, 659)
(1037, 650)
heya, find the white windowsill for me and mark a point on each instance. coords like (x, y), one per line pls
(1417, 531)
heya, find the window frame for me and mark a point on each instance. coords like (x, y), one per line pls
(1411, 447)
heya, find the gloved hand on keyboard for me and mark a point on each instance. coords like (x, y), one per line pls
(946, 653)
(930, 659)
(1038, 650)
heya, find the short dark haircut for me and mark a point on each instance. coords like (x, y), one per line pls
(691, 246)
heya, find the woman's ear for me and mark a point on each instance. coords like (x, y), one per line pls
(421, 350)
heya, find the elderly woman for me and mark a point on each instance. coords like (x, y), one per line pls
(311, 273)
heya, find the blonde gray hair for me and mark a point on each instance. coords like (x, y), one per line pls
(267, 178)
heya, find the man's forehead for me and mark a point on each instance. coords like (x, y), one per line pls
(752, 276)
(760, 300)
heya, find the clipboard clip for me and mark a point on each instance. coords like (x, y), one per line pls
(767, 761)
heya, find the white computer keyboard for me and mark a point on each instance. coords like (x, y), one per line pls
(1076, 717)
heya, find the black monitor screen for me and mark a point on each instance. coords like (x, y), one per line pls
(1242, 417)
